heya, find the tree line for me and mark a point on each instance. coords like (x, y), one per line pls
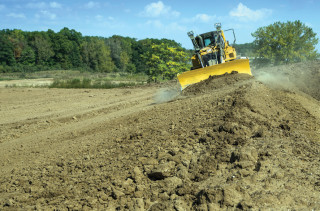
(69, 49)
(276, 43)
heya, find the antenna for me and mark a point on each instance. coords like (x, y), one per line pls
(191, 34)
(218, 26)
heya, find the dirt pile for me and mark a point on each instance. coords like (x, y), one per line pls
(216, 82)
(228, 143)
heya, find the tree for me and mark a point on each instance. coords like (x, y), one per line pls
(163, 60)
(27, 56)
(17, 38)
(75, 39)
(69, 49)
(245, 49)
(96, 55)
(285, 42)
(122, 52)
(43, 47)
(6, 50)
(66, 46)
(124, 60)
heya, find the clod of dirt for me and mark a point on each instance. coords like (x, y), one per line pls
(162, 171)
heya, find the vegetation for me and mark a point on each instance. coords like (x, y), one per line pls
(88, 84)
(71, 74)
(30, 54)
(245, 50)
(165, 61)
(22, 51)
(287, 42)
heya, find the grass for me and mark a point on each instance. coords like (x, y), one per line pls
(87, 83)
(7, 79)
(11, 86)
(71, 74)
(80, 79)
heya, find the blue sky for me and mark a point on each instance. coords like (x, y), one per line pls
(156, 19)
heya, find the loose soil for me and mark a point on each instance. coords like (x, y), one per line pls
(231, 142)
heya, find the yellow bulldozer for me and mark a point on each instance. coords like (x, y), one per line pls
(213, 56)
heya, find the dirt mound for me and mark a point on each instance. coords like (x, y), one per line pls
(231, 143)
(216, 82)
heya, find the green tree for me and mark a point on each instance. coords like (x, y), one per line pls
(75, 39)
(44, 50)
(6, 49)
(69, 49)
(27, 56)
(285, 42)
(139, 48)
(165, 61)
(66, 46)
(122, 52)
(96, 55)
(246, 49)
(124, 60)
(17, 38)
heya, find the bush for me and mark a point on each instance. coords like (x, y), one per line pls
(86, 83)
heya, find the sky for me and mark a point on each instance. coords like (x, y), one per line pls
(157, 19)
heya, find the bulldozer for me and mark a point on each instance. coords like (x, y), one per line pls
(213, 55)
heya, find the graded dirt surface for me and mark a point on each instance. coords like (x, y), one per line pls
(231, 142)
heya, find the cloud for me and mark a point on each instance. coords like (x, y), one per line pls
(166, 28)
(158, 9)
(43, 5)
(2, 7)
(16, 15)
(203, 18)
(46, 14)
(155, 23)
(55, 5)
(91, 4)
(99, 17)
(37, 5)
(243, 13)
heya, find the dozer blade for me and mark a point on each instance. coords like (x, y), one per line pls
(195, 76)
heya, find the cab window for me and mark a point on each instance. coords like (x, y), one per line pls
(207, 41)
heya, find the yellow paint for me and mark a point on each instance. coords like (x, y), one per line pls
(197, 75)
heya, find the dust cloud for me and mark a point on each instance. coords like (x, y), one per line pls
(166, 95)
(302, 77)
(275, 80)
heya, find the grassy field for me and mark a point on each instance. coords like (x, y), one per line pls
(86, 83)
(74, 79)
(70, 74)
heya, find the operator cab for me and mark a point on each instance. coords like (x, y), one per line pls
(203, 40)
(212, 38)
(209, 38)
(210, 47)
